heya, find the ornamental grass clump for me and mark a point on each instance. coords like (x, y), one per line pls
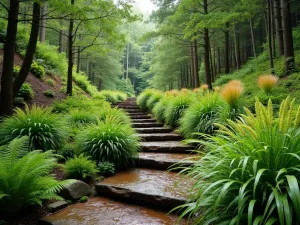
(176, 107)
(160, 108)
(117, 113)
(80, 117)
(204, 87)
(143, 98)
(201, 116)
(267, 83)
(154, 99)
(45, 130)
(251, 173)
(109, 141)
(25, 178)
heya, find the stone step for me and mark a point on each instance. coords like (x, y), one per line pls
(153, 130)
(104, 211)
(160, 137)
(133, 110)
(140, 116)
(164, 161)
(146, 186)
(143, 120)
(151, 124)
(128, 106)
(166, 147)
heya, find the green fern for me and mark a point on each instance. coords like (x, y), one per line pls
(25, 178)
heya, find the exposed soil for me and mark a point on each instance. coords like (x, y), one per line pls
(39, 86)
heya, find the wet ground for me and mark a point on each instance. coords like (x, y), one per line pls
(103, 211)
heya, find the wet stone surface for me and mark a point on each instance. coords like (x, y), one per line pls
(165, 146)
(102, 211)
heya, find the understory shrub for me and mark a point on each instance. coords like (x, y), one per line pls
(160, 108)
(19, 101)
(49, 93)
(106, 168)
(45, 130)
(176, 108)
(25, 178)
(51, 82)
(26, 92)
(110, 96)
(267, 82)
(251, 173)
(109, 141)
(143, 98)
(202, 115)
(117, 113)
(37, 70)
(155, 97)
(16, 70)
(80, 167)
(68, 151)
(79, 117)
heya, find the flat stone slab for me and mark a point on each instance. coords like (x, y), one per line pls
(75, 190)
(153, 130)
(160, 137)
(146, 186)
(164, 161)
(143, 120)
(103, 211)
(150, 124)
(141, 116)
(56, 206)
(166, 147)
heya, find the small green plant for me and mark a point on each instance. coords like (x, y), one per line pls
(51, 82)
(45, 130)
(49, 93)
(109, 141)
(106, 168)
(153, 100)
(113, 112)
(37, 70)
(25, 178)
(26, 92)
(83, 199)
(67, 151)
(16, 70)
(144, 97)
(251, 173)
(19, 101)
(79, 117)
(80, 167)
(110, 96)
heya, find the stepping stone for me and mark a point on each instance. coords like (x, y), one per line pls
(152, 124)
(104, 211)
(163, 161)
(166, 147)
(132, 110)
(153, 130)
(129, 107)
(140, 116)
(143, 120)
(56, 206)
(160, 137)
(146, 186)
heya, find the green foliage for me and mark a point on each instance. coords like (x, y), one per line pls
(67, 151)
(125, 86)
(109, 141)
(151, 102)
(16, 70)
(118, 114)
(83, 199)
(144, 97)
(26, 92)
(80, 167)
(250, 175)
(110, 96)
(19, 101)
(25, 178)
(202, 115)
(160, 108)
(106, 168)
(37, 70)
(80, 117)
(176, 108)
(45, 130)
(49, 93)
(51, 82)
(82, 81)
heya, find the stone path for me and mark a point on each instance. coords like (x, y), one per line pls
(149, 187)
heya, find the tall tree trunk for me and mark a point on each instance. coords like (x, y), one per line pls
(273, 29)
(237, 46)
(70, 55)
(61, 38)
(6, 106)
(100, 84)
(87, 65)
(218, 61)
(287, 37)
(123, 68)
(270, 37)
(190, 83)
(278, 25)
(33, 39)
(43, 23)
(196, 65)
(78, 60)
(252, 38)
(226, 50)
(206, 50)
(127, 66)
(211, 64)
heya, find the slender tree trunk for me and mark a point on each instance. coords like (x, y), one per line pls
(252, 38)
(78, 60)
(272, 29)
(270, 37)
(127, 66)
(33, 39)
(6, 106)
(278, 25)
(61, 38)
(100, 84)
(211, 64)
(70, 55)
(237, 46)
(192, 65)
(218, 61)
(206, 50)
(87, 65)
(43, 23)
(196, 65)
(226, 50)
(287, 37)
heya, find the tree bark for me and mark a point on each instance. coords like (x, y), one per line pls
(196, 65)
(270, 38)
(206, 50)
(237, 47)
(218, 61)
(33, 39)
(61, 38)
(6, 106)
(70, 55)
(278, 25)
(226, 50)
(78, 60)
(252, 38)
(287, 37)
(100, 84)
(43, 23)
(127, 59)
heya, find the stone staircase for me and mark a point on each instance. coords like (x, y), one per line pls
(149, 190)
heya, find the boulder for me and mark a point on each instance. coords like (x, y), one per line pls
(75, 190)
(56, 206)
